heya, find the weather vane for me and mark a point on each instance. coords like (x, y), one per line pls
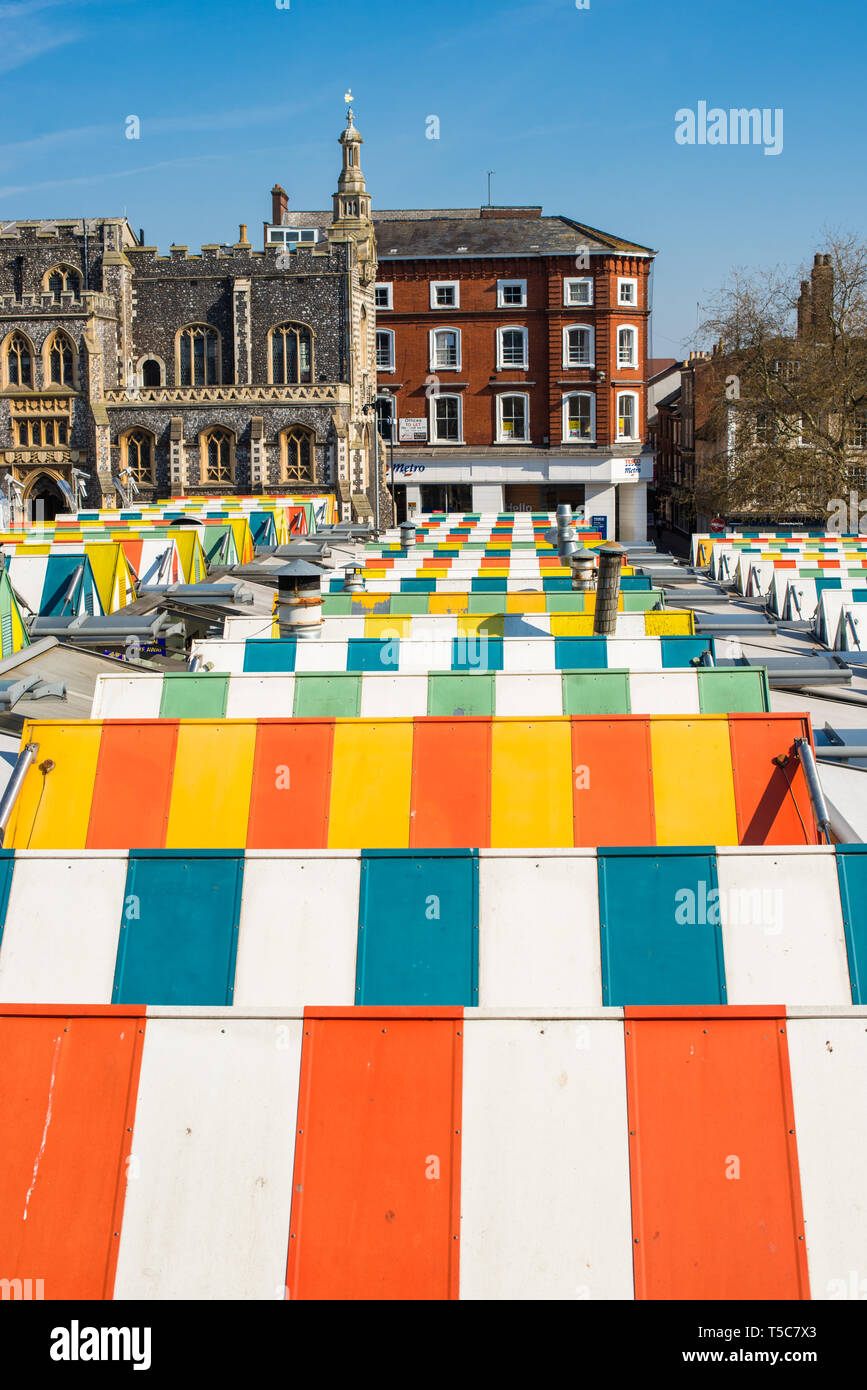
(348, 98)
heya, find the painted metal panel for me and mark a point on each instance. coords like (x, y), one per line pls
(635, 653)
(488, 601)
(320, 656)
(476, 651)
(595, 692)
(385, 1085)
(692, 781)
(580, 653)
(828, 1059)
(68, 1086)
(451, 784)
(773, 803)
(531, 654)
(194, 696)
(53, 808)
(299, 930)
(680, 651)
(660, 624)
(450, 695)
(179, 929)
(852, 874)
(531, 783)
(723, 691)
(373, 653)
(529, 695)
(327, 696)
(393, 696)
(7, 864)
(208, 1214)
(418, 929)
(260, 697)
(659, 928)
(539, 930)
(211, 787)
(611, 769)
(133, 785)
(268, 654)
(59, 943)
(417, 658)
(545, 1160)
(371, 784)
(291, 788)
(713, 1158)
(127, 697)
(669, 692)
(782, 926)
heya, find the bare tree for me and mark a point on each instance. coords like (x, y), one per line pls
(781, 413)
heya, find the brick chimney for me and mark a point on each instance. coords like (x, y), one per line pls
(822, 276)
(279, 204)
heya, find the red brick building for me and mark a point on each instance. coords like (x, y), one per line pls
(512, 351)
(511, 359)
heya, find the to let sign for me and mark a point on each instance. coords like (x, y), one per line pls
(412, 429)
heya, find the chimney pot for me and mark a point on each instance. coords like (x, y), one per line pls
(242, 236)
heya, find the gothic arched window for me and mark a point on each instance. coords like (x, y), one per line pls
(291, 355)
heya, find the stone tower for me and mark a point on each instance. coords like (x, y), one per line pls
(360, 456)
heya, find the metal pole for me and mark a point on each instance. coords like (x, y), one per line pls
(378, 437)
(814, 786)
(391, 467)
(607, 588)
(28, 755)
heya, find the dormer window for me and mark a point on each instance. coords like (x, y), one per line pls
(293, 237)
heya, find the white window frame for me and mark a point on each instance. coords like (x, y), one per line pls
(627, 303)
(432, 417)
(443, 285)
(565, 435)
(389, 333)
(432, 348)
(627, 438)
(388, 286)
(510, 438)
(628, 328)
(570, 328)
(578, 280)
(502, 303)
(502, 364)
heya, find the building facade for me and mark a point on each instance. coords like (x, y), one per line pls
(511, 356)
(125, 373)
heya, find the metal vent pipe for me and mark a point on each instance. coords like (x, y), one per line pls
(608, 588)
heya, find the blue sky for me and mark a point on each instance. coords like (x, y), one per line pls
(572, 108)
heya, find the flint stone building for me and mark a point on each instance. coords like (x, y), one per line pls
(226, 371)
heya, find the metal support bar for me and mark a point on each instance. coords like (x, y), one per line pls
(72, 586)
(814, 786)
(29, 753)
(839, 753)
